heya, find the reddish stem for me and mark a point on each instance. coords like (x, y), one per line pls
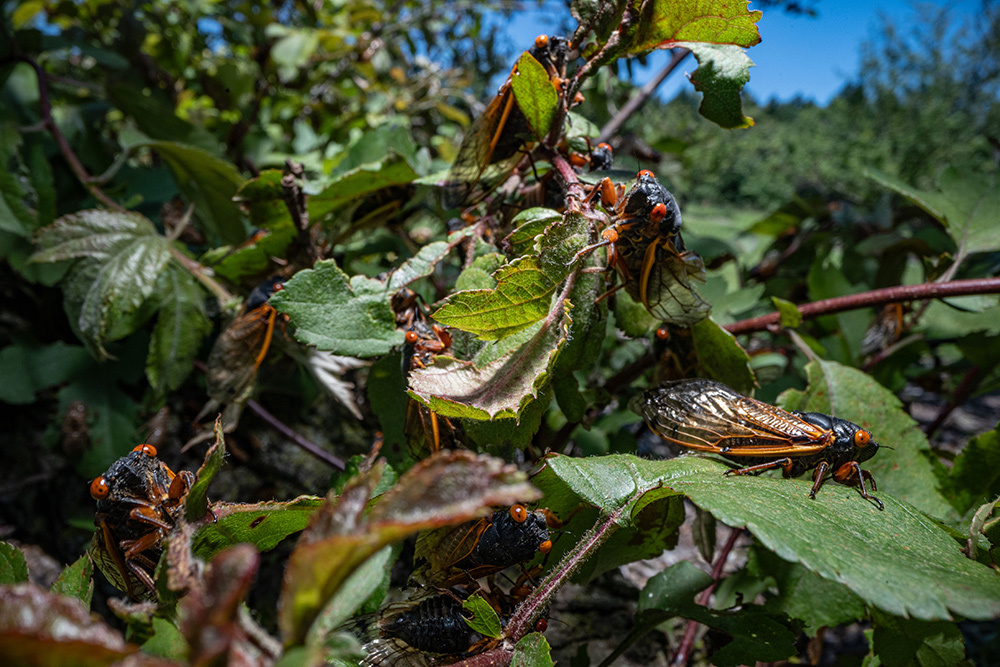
(878, 297)
(307, 445)
(687, 642)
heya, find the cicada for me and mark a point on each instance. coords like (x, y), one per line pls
(138, 499)
(708, 416)
(478, 548)
(242, 346)
(493, 144)
(427, 631)
(646, 249)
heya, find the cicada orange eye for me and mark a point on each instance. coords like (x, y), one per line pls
(545, 546)
(518, 513)
(646, 173)
(148, 450)
(663, 333)
(541, 41)
(604, 147)
(658, 213)
(862, 438)
(99, 488)
(412, 337)
(542, 625)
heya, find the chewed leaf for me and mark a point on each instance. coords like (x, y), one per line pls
(722, 72)
(665, 23)
(348, 316)
(534, 94)
(263, 525)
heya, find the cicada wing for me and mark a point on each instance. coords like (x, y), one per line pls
(664, 285)
(437, 551)
(709, 416)
(238, 352)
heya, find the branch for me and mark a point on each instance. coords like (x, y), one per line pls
(45, 105)
(878, 297)
(613, 125)
(307, 445)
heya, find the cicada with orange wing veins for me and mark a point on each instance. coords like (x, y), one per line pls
(461, 554)
(430, 630)
(646, 249)
(242, 346)
(708, 416)
(138, 499)
(495, 142)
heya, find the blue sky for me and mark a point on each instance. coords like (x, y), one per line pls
(811, 57)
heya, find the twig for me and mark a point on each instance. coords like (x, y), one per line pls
(307, 445)
(45, 105)
(202, 274)
(687, 642)
(878, 297)
(611, 128)
(962, 392)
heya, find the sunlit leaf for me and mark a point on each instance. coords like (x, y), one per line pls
(722, 72)
(664, 23)
(532, 651)
(484, 619)
(535, 95)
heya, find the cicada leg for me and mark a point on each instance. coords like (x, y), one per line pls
(785, 464)
(851, 474)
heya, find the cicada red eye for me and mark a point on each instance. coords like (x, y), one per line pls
(518, 513)
(412, 337)
(541, 41)
(542, 625)
(645, 173)
(545, 546)
(658, 213)
(663, 333)
(99, 488)
(148, 450)
(862, 438)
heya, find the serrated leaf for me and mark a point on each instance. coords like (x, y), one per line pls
(41, 628)
(209, 183)
(722, 72)
(263, 525)
(535, 95)
(975, 475)
(77, 580)
(351, 317)
(196, 502)
(95, 234)
(848, 393)
(484, 618)
(898, 559)
(721, 357)
(180, 327)
(532, 651)
(966, 202)
(528, 224)
(665, 24)
(445, 489)
(13, 566)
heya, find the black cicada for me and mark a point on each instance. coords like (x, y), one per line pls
(710, 417)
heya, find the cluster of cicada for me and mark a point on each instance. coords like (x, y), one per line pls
(450, 564)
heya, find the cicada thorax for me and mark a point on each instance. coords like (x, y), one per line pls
(710, 417)
(242, 345)
(138, 500)
(500, 136)
(460, 554)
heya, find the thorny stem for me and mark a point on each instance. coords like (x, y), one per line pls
(879, 297)
(687, 642)
(307, 445)
(613, 125)
(45, 105)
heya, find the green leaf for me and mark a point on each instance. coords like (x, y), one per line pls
(167, 641)
(445, 489)
(41, 628)
(354, 184)
(263, 525)
(900, 642)
(196, 501)
(422, 264)
(180, 327)
(16, 193)
(13, 567)
(77, 580)
(898, 560)
(721, 357)
(522, 297)
(387, 396)
(722, 72)
(358, 591)
(666, 24)
(28, 369)
(373, 146)
(966, 202)
(788, 312)
(535, 95)
(845, 392)
(532, 651)
(528, 225)
(350, 317)
(207, 182)
(484, 618)
(122, 259)
(975, 474)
